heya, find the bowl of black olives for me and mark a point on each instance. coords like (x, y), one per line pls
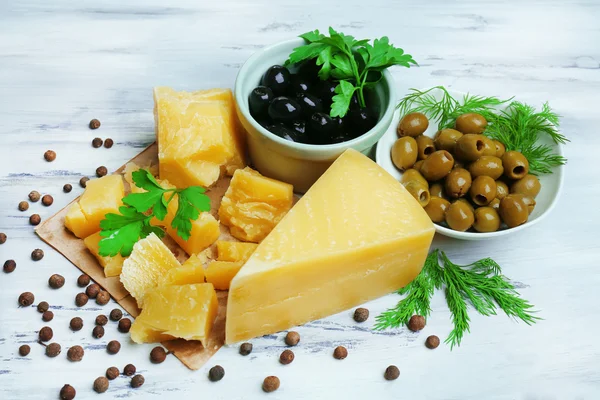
(286, 112)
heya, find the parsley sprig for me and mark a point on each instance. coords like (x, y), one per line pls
(121, 231)
(480, 285)
(355, 64)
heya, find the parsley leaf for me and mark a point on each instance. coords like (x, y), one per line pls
(341, 101)
(121, 231)
(191, 201)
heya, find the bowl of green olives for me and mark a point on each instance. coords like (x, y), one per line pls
(471, 186)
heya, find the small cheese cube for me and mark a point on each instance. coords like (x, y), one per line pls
(76, 222)
(143, 333)
(220, 273)
(192, 271)
(112, 265)
(234, 251)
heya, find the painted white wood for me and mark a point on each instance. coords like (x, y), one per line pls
(64, 62)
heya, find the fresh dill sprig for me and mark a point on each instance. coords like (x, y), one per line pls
(480, 285)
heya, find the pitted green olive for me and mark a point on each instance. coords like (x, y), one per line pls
(425, 146)
(500, 148)
(459, 216)
(457, 183)
(483, 190)
(528, 200)
(446, 139)
(436, 209)
(501, 190)
(437, 165)
(495, 204)
(413, 124)
(529, 185)
(419, 191)
(515, 165)
(404, 153)
(471, 123)
(413, 175)
(487, 165)
(418, 165)
(436, 189)
(469, 147)
(486, 220)
(513, 210)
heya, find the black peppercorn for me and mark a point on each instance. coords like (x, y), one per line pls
(83, 181)
(101, 320)
(9, 266)
(75, 353)
(129, 370)
(83, 280)
(47, 200)
(361, 314)
(43, 306)
(34, 196)
(101, 384)
(391, 373)
(56, 281)
(340, 353)
(35, 219)
(76, 324)
(101, 171)
(50, 155)
(47, 316)
(292, 338)
(108, 143)
(158, 355)
(98, 331)
(137, 381)
(102, 298)
(216, 373)
(96, 142)
(286, 357)
(81, 299)
(53, 349)
(2, 237)
(124, 325)
(271, 384)
(432, 342)
(46, 334)
(67, 187)
(37, 255)
(116, 314)
(23, 206)
(113, 347)
(245, 349)
(24, 350)
(416, 323)
(67, 392)
(112, 373)
(94, 124)
(92, 290)
(26, 299)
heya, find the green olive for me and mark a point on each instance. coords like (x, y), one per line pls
(425, 146)
(471, 123)
(529, 185)
(515, 165)
(418, 165)
(486, 220)
(404, 153)
(413, 175)
(469, 147)
(490, 147)
(413, 124)
(437, 165)
(446, 139)
(459, 216)
(419, 191)
(528, 200)
(467, 202)
(458, 164)
(457, 183)
(487, 165)
(437, 190)
(513, 210)
(495, 204)
(436, 209)
(483, 190)
(500, 148)
(501, 190)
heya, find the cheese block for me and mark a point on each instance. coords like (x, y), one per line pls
(141, 332)
(179, 311)
(112, 265)
(220, 273)
(254, 204)
(356, 235)
(192, 271)
(149, 261)
(101, 196)
(234, 251)
(198, 135)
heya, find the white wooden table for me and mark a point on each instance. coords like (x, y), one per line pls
(64, 62)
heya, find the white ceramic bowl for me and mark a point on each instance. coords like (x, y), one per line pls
(297, 163)
(545, 201)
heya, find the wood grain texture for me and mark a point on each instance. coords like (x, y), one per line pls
(65, 62)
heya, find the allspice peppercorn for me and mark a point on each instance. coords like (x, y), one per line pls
(108, 143)
(94, 124)
(246, 348)
(67, 187)
(98, 331)
(75, 353)
(9, 266)
(26, 299)
(124, 325)
(96, 142)
(112, 373)
(43, 306)
(416, 323)
(292, 338)
(23, 206)
(24, 350)
(361, 314)
(83, 181)
(92, 290)
(81, 299)
(101, 171)
(37, 255)
(47, 200)
(53, 349)
(67, 392)
(34, 196)
(45, 334)
(47, 316)
(340, 353)
(432, 342)
(50, 155)
(116, 314)
(56, 281)
(137, 381)
(101, 320)
(216, 373)
(158, 355)
(2, 237)
(35, 219)
(101, 384)
(83, 280)
(391, 373)
(113, 347)
(129, 370)
(271, 384)
(76, 324)
(286, 357)
(102, 298)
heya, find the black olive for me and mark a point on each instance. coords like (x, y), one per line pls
(259, 100)
(284, 109)
(277, 78)
(327, 91)
(340, 125)
(298, 126)
(309, 70)
(361, 121)
(322, 128)
(310, 104)
(283, 132)
(354, 104)
(299, 85)
(340, 138)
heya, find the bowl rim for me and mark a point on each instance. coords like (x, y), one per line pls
(488, 235)
(242, 103)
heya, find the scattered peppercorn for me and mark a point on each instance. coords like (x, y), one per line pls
(124, 325)
(116, 314)
(92, 290)
(67, 392)
(83, 181)
(43, 306)
(432, 342)
(96, 142)
(271, 384)
(292, 338)
(76, 324)
(67, 187)
(75, 353)
(23, 206)
(94, 124)
(286, 357)
(391, 373)
(47, 200)
(158, 355)
(129, 370)
(35, 219)
(37, 254)
(9, 266)
(34, 196)
(2, 237)
(98, 331)
(113, 347)
(340, 353)
(83, 280)
(112, 373)
(102, 298)
(246, 348)
(108, 143)
(100, 384)
(137, 381)
(50, 155)
(56, 281)
(26, 299)
(361, 314)
(81, 299)
(47, 316)
(101, 320)
(46, 334)
(101, 171)
(416, 323)
(216, 373)
(53, 349)
(24, 350)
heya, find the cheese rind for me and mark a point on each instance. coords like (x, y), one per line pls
(357, 234)
(234, 251)
(112, 265)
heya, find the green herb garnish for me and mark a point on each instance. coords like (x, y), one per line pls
(518, 127)
(480, 285)
(121, 231)
(356, 64)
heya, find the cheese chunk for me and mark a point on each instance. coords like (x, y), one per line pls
(234, 251)
(220, 273)
(112, 265)
(149, 261)
(198, 136)
(101, 196)
(179, 311)
(192, 271)
(254, 204)
(356, 235)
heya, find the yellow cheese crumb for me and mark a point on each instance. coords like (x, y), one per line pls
(234, 251)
